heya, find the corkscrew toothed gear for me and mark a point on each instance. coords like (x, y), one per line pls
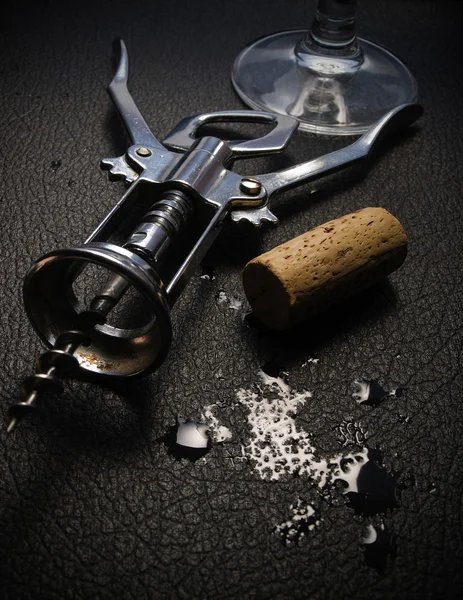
(192, 180)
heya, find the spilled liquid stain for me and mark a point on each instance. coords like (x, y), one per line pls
(279, 447)
(188, 439)
(302, 520)
(379, 548)
(371, 393)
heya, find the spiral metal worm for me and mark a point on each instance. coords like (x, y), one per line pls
(58, 362)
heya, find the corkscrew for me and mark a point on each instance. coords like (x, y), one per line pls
(185, 179)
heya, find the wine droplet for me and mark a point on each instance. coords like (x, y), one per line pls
(370, 489)
(380, 548)
(188, 439)
(371, 393)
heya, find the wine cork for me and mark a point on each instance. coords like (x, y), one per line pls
(323, 266)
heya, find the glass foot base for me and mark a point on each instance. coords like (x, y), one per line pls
(328, 93)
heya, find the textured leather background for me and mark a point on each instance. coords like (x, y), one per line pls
(92, 504)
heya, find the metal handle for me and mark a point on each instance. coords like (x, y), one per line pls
(183, 135)
(396, 119)
(136, 126)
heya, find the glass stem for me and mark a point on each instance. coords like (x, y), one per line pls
(333, 27)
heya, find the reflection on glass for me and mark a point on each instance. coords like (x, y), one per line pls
(329, 79)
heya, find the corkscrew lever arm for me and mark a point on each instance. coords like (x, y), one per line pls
(137, 128)
(139, 133)
(395, 120)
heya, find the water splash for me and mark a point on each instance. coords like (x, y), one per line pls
(351, 433)
(273, 374)
(231, 302)
(277, 445)
(303, 519)
(219, 433)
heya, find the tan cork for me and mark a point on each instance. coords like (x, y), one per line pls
(321, 267)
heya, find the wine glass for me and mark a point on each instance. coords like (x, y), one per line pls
(329, 79)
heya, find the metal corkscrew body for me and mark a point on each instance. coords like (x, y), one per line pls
(182, 180)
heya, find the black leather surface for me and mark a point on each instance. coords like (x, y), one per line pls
(92, 503)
